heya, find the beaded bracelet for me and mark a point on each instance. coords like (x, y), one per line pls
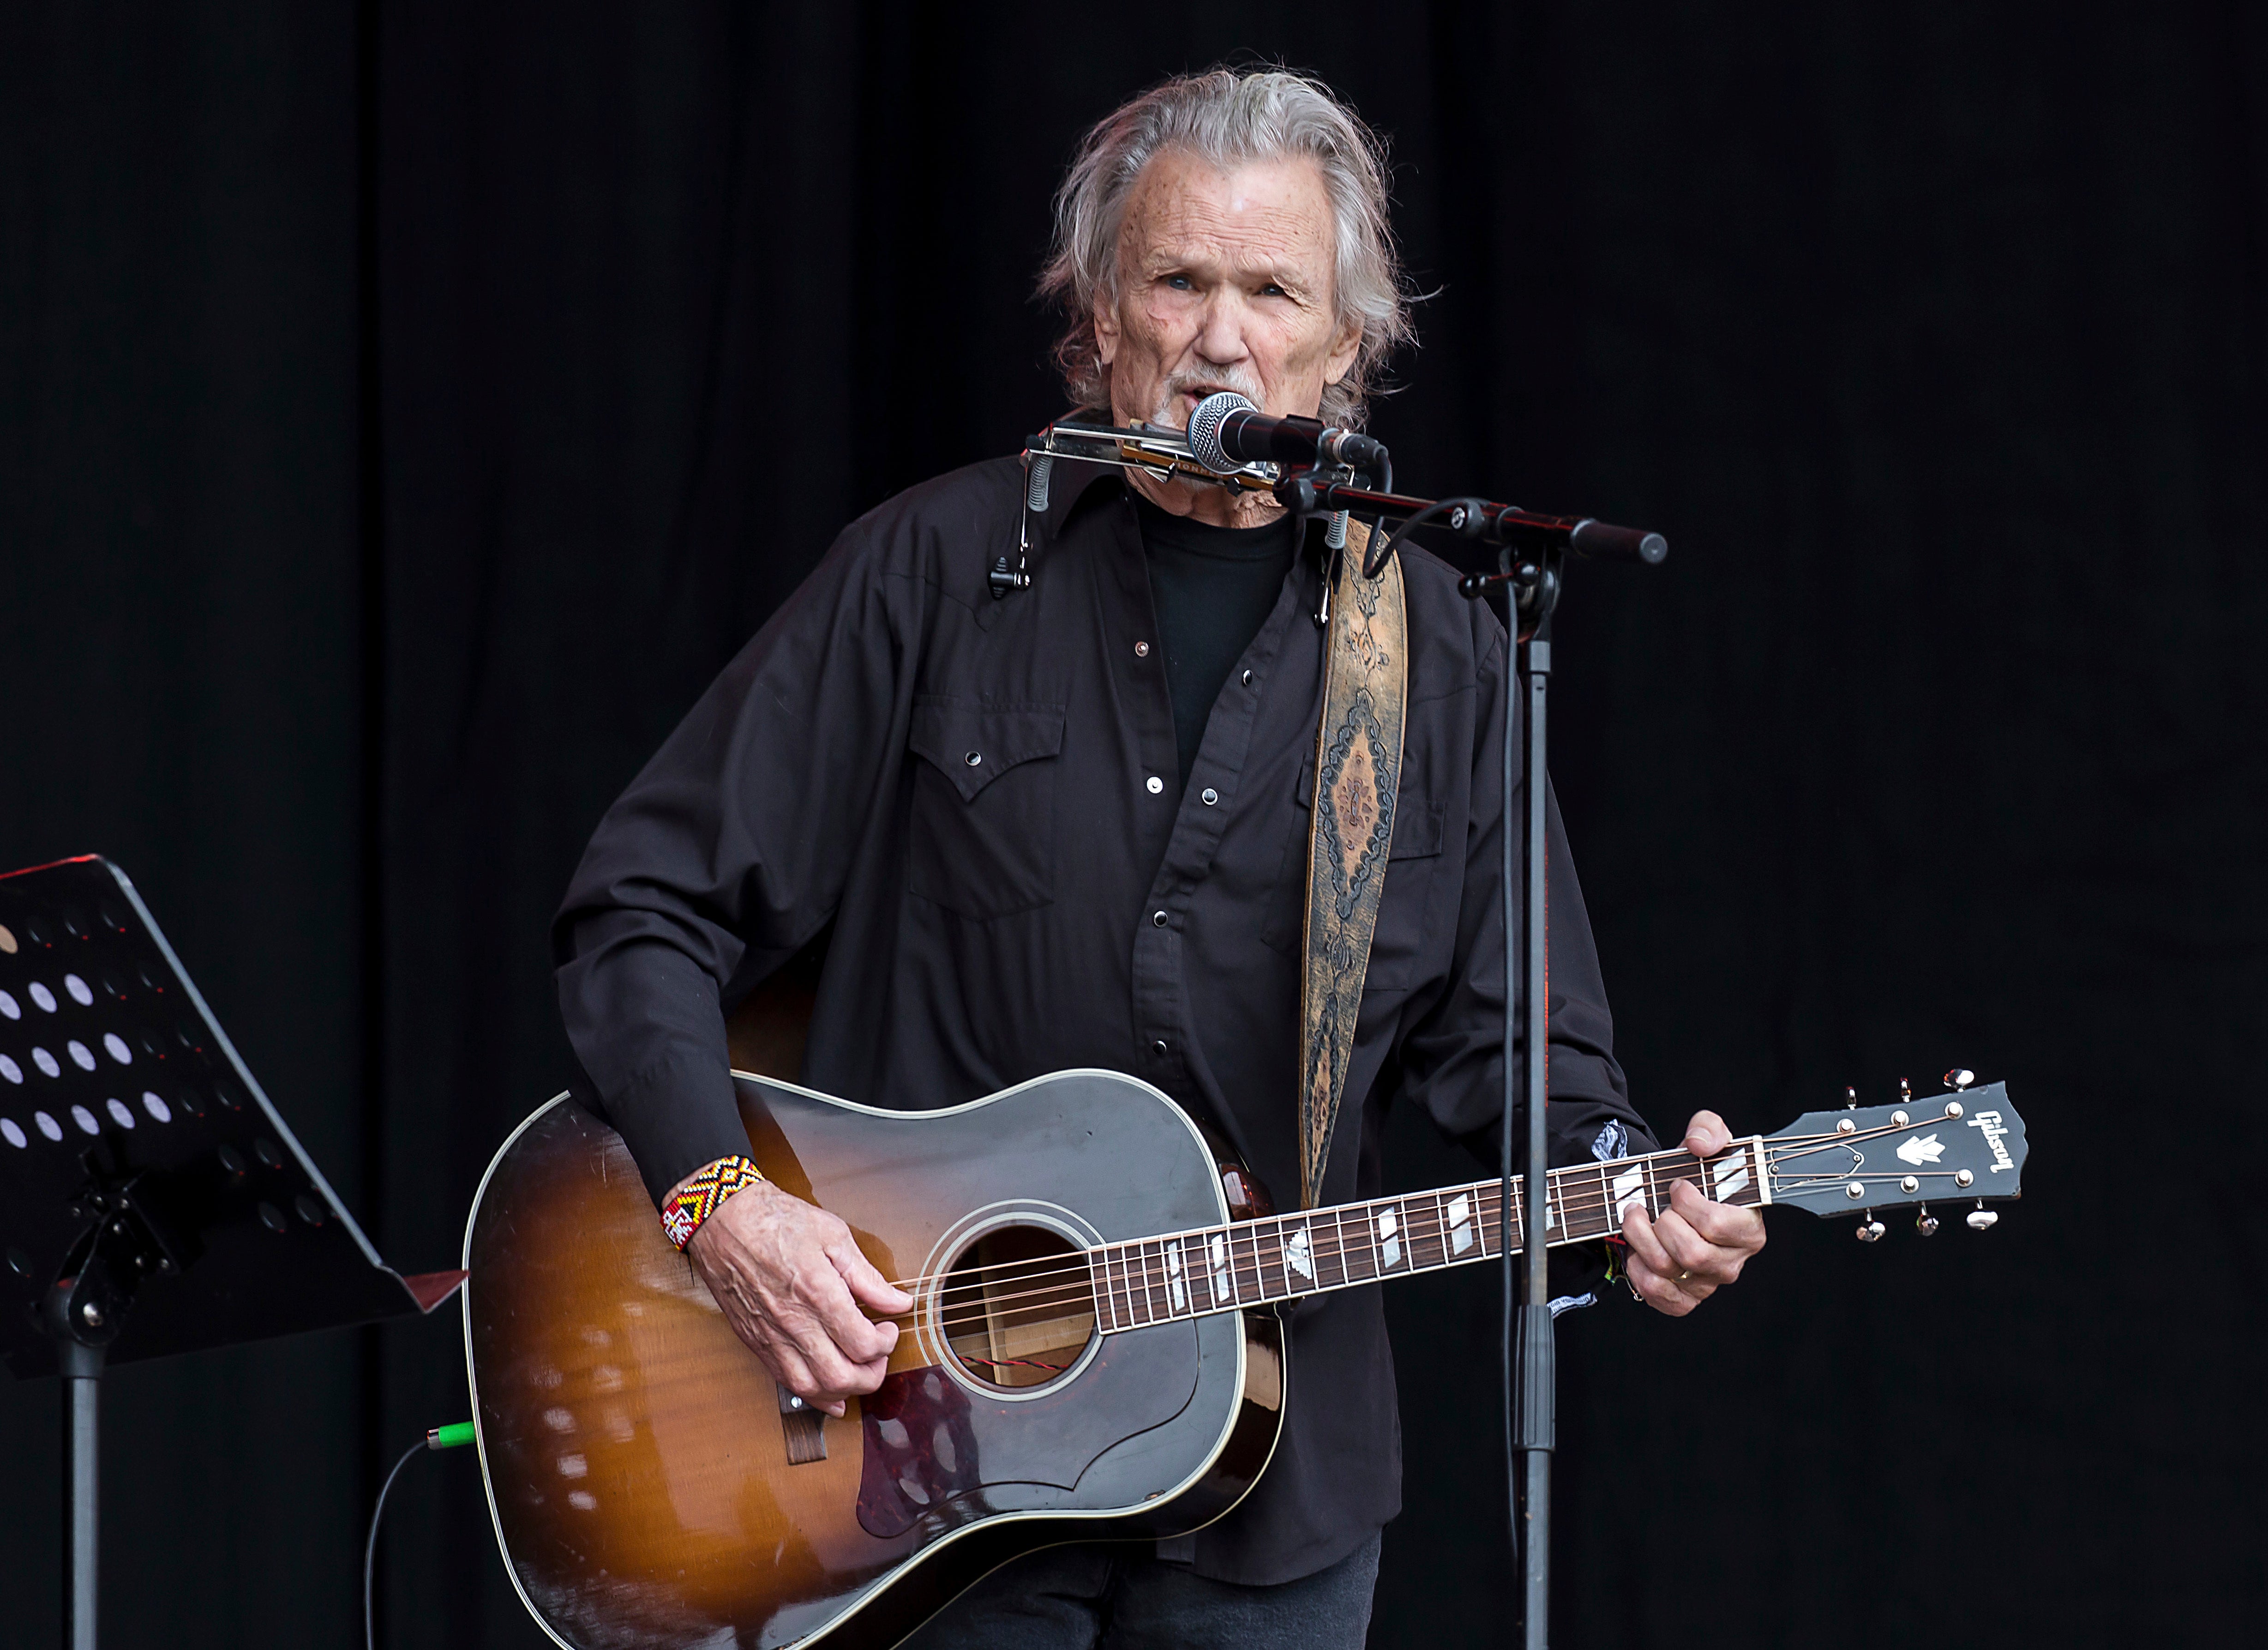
(684, 1209)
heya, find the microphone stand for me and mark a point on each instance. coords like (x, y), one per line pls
(1531, 558)
(1531, 1421)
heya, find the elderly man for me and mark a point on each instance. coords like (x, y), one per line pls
(1123, 886)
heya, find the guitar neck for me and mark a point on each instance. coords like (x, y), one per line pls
(1282, 1257)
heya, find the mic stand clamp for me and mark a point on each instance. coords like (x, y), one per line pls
(1302, 495)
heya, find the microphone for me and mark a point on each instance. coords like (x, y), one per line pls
(1226, 432)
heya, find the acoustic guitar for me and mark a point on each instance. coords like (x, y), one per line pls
(1095, 1352)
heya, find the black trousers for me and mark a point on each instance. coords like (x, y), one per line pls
(1119, 1596)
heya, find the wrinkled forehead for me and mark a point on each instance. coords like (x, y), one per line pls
(1254, 216)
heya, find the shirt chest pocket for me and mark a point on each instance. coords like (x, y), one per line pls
(982, 830)
(1405, 929)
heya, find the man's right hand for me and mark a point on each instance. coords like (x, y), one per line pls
(791, 1281)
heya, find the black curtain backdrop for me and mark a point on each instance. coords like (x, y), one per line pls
(404, 412)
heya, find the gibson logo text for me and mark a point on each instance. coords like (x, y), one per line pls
(1993, 1129)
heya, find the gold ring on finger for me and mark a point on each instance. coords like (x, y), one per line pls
(1681, 1277)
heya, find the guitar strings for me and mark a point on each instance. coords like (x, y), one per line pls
(1076, 1282)
(1078, 1288)
(1567, 1205)
(1778, 1150)
(963, 1289)
(1151, 1275)
(1143, 1280)
(1566, 1209)
(1583, 1204)
(1074, 1286)
(1481, 1191)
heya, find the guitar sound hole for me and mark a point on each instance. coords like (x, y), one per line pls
(1017, 1308)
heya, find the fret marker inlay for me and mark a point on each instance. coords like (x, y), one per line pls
(1460, 1224)
(1220, 1288)
(1174, 1276)
(1732, 1176)
(1629, 1189)
(1389, 1247)
(1297, 1257)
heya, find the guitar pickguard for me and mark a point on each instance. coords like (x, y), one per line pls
(927, 1464)
(921, 1451)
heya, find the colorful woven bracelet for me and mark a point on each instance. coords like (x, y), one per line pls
(684, 1209)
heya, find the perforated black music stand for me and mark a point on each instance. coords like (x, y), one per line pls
(151, 1200)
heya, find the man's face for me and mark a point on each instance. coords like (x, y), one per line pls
(1224, 283)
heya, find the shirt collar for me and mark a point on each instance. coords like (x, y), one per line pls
(1073, 479)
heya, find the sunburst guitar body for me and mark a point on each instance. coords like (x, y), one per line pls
(652, 1485)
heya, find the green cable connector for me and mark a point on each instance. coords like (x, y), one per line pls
(451, 1436)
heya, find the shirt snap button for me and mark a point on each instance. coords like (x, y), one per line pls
(1155, 784)
(1210, 796)
(1158, 918)
(1159, 1046)
(974, 758)
(1141, 650)
(1247, 679)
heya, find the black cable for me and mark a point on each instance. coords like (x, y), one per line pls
(1470, 523)
(370, 1547)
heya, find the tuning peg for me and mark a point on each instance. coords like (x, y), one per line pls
(1870, 1231)
(1849, 1098)
(1981, 1219)
(1925, 1223)
(1960, 1077)
(1905, 1090)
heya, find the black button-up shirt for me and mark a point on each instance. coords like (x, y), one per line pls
(997, 920)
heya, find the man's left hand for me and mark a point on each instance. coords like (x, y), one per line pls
(1696, 1247)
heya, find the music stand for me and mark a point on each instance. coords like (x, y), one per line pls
(151, 1200)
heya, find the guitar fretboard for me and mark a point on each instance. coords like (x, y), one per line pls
(1281, 1257)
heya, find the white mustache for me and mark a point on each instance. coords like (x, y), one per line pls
(1193, 384)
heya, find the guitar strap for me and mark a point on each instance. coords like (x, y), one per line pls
(1358, 778)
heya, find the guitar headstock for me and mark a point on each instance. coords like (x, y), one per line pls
(1954, 1150)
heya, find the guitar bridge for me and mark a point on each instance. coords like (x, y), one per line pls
(804, 1429)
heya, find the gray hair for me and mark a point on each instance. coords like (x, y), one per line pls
(1226, 117)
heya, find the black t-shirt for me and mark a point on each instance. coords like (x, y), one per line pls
(1213, 588)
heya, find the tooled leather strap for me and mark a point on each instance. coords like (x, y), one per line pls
(1358, 777)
